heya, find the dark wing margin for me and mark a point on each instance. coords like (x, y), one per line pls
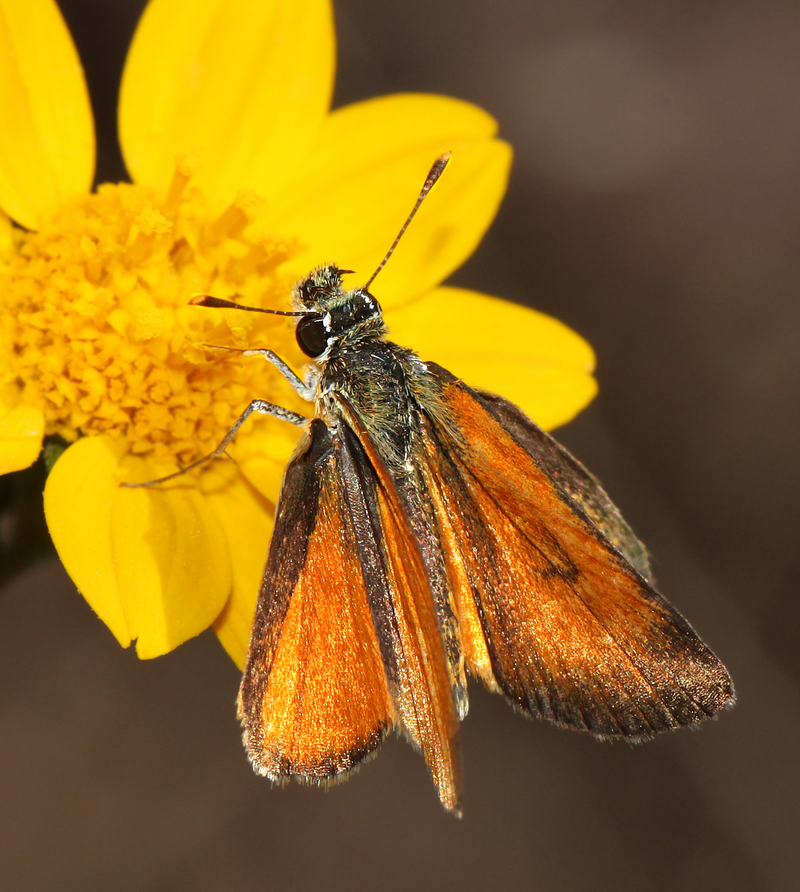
(314, 699)
(570, 476)
(552, 609)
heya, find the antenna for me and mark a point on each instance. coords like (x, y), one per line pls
(206, 300)
(435, 172)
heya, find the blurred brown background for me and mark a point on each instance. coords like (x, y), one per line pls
(655, 207)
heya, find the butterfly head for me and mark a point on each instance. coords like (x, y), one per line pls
(334, 315)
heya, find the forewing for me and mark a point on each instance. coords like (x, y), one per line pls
(552, 612)
(569, 475)
(314, 699)
(403, 610)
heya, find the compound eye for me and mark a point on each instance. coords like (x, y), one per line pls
(312, 336)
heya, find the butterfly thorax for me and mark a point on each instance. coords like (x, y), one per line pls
(354, 366)
(373, 380)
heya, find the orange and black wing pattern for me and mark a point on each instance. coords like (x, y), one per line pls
(314, 699)
(550, 585)
(345, 643)
(403, 609)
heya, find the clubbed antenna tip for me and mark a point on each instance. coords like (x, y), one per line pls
(433, 175)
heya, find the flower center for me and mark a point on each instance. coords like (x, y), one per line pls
(98, 330)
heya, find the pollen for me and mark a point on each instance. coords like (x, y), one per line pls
(97, 331)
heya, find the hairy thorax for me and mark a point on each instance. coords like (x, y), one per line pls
(377, 380)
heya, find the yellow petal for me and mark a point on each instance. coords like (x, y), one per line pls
(77, 504)
(171, 559)
(21, 434)
(46, 131)
(242, 85)
(530, 358)
(246, 518)
(365, 174)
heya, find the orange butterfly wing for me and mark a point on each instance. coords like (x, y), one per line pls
(551, 611)
(405, 618)
(314, 698)
(344, 643)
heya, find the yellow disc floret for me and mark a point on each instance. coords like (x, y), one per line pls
(97, 329)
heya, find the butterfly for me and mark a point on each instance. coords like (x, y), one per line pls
(426, 531)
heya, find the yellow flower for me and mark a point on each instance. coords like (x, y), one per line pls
(243, 180)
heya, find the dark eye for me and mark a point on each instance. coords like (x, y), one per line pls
(312, 335)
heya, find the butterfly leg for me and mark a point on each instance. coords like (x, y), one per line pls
(306, 389)
(260, 406)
